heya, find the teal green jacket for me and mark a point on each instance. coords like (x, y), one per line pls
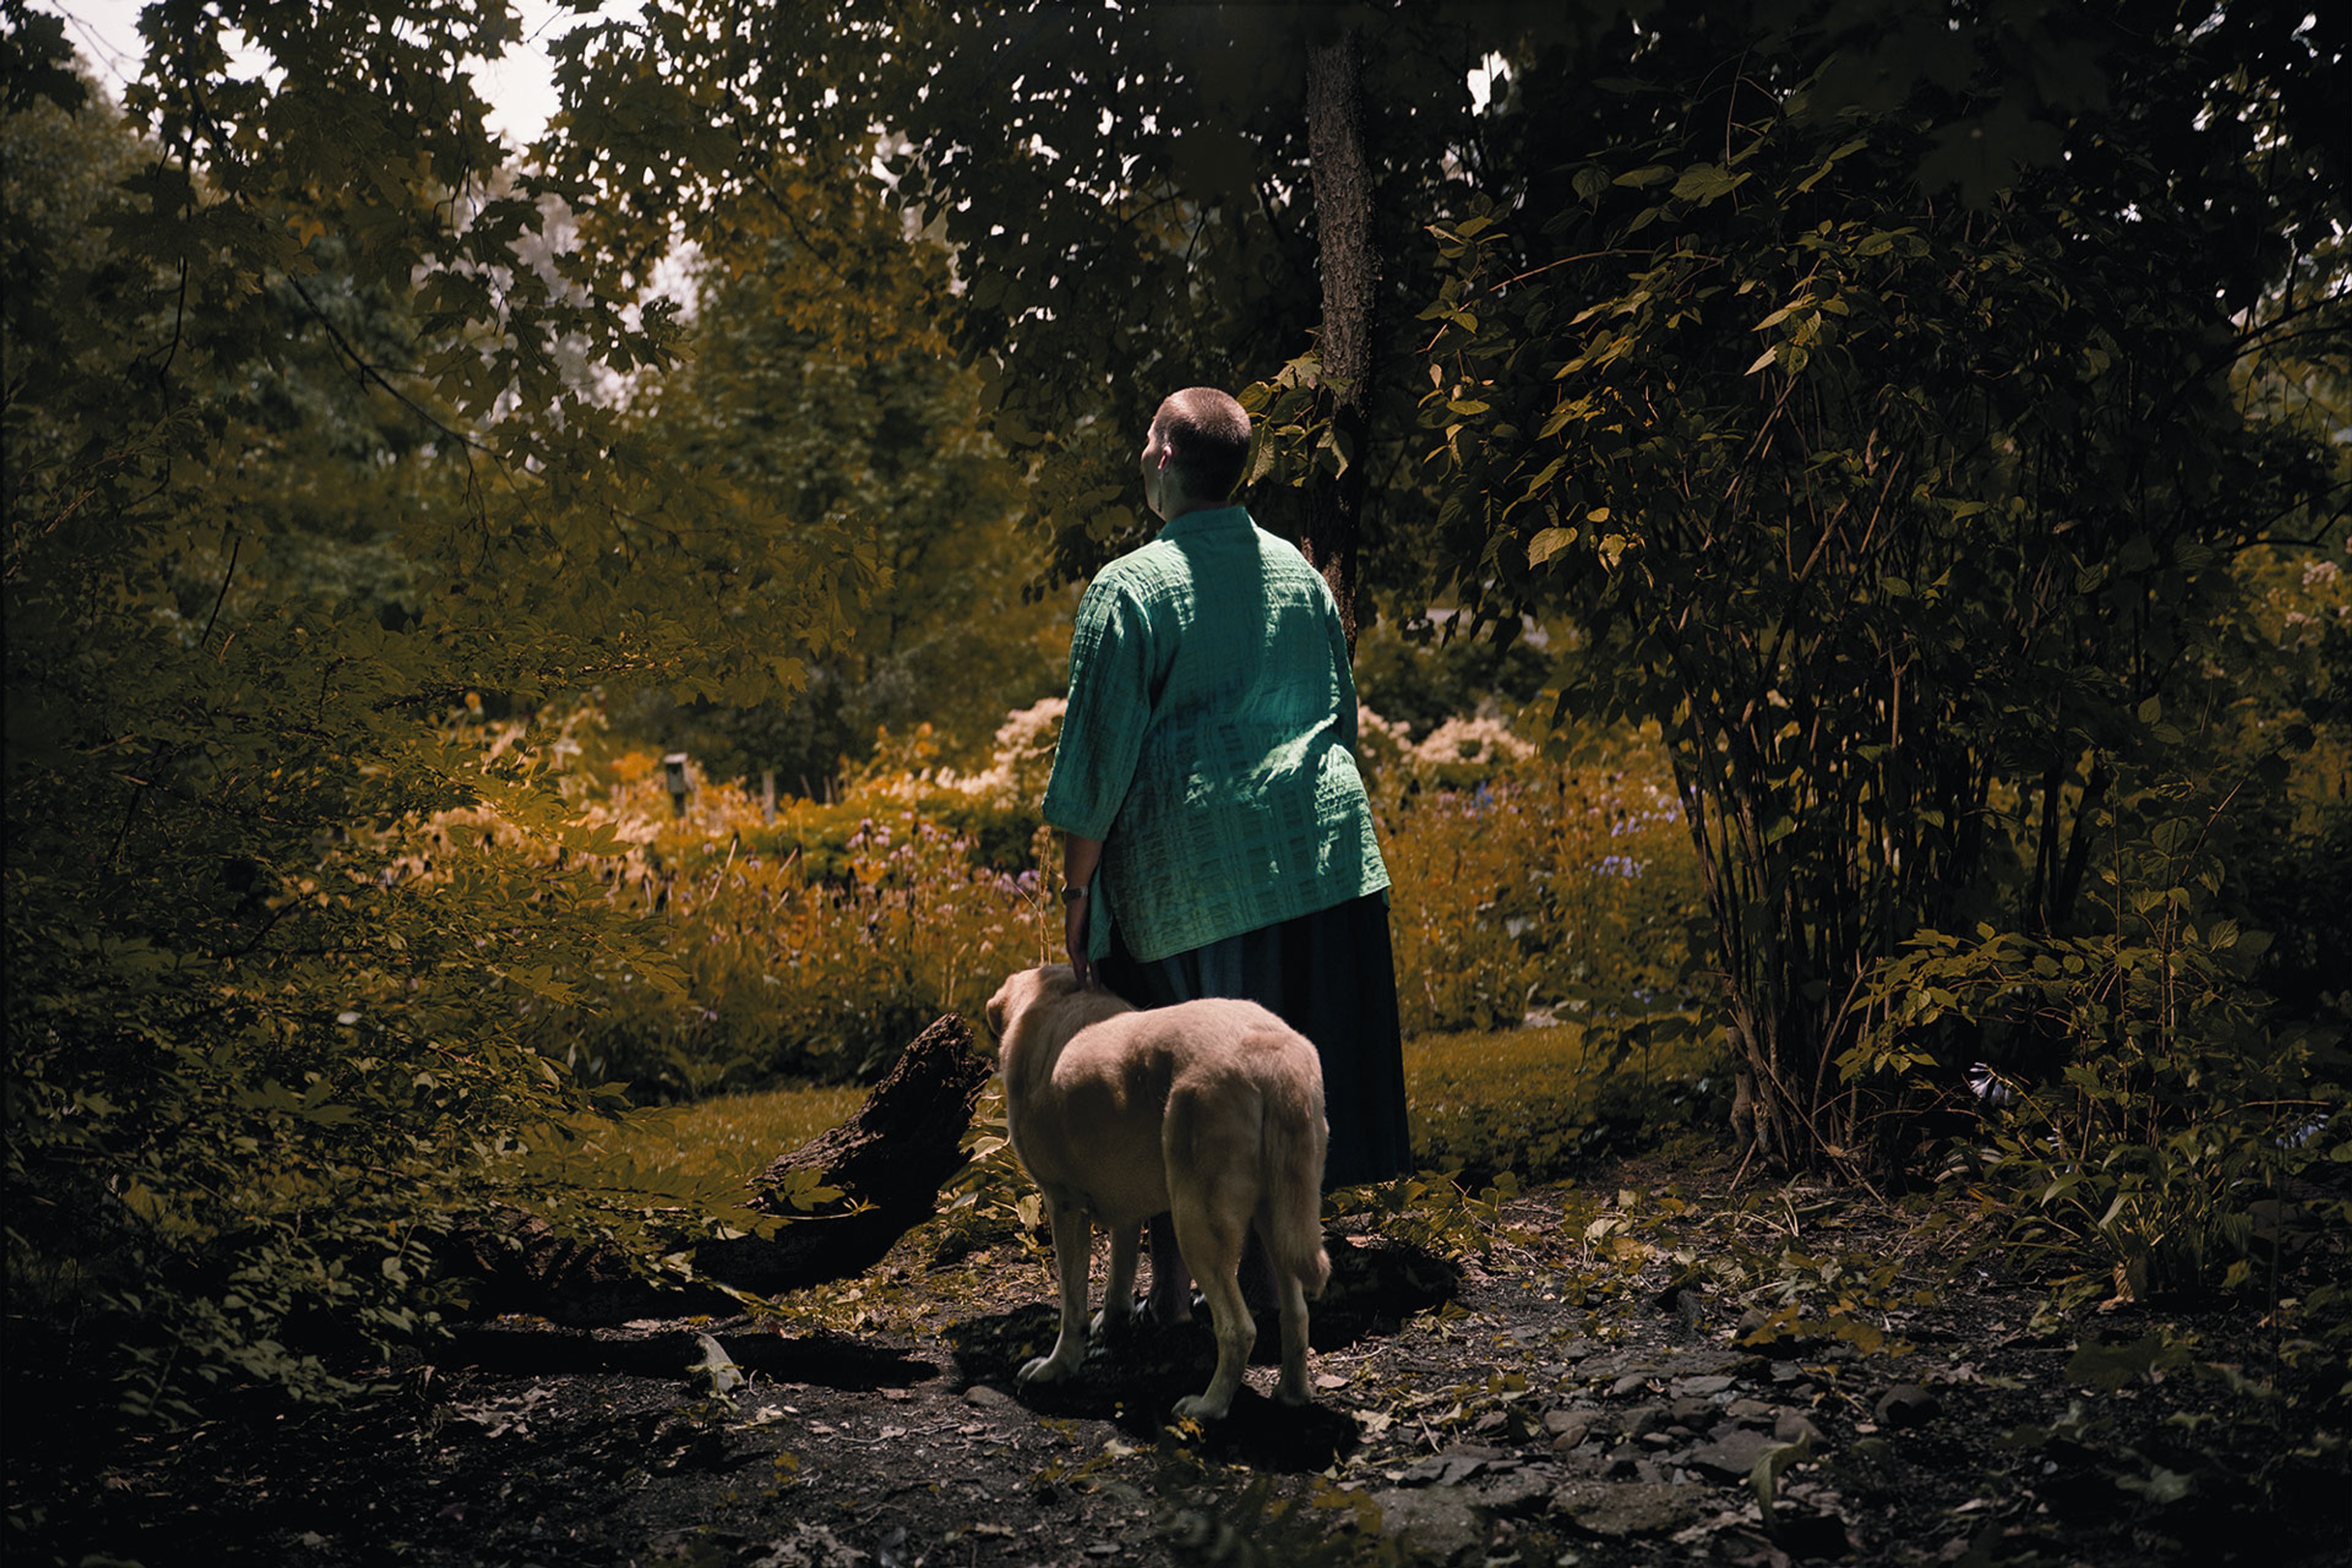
(1209, 740)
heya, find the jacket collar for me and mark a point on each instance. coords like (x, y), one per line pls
(1207, 520)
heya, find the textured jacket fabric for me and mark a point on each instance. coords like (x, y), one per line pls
(1210, 740)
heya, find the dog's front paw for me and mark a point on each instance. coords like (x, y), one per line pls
(1201, 1407)
(1045, 1369)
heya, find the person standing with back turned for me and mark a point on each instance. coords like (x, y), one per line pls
(1217, 837)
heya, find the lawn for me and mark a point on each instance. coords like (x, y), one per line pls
(1528, 1101)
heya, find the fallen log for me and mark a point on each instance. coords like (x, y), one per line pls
(847, 1196)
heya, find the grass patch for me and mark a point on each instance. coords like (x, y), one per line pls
(1533, 1101)
(711, 1147)
(1536, 1101)
(1497, 1099)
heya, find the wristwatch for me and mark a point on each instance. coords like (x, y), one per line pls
(1073, 891)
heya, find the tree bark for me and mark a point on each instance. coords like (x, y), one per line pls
(888, 1162)
(1350, 266)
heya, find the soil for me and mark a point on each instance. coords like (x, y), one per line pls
(1577, 1386)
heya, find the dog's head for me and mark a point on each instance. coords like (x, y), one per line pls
(1022, 991)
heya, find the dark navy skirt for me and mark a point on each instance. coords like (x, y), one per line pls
(1331, 976)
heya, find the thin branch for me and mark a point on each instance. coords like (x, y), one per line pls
(369, 371)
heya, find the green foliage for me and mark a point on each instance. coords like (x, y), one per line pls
(1919, 528)
(700, 1157)
(1895, 512)
(2260, 1439)
(812, 946)
(1149, 227)
(302, 451)
(1540, 1101)
(1784, 1254)
(1419, 684)
(1444, 1213)
(2173, 1108)
(868, 435)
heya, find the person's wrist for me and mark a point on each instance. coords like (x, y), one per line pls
(1073, 891)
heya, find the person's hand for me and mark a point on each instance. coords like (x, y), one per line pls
(1073, 937)
(1080, 858)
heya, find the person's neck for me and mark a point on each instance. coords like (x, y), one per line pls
(1187, 507)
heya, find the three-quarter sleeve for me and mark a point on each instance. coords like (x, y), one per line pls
(1109, 711)
(1343, 669)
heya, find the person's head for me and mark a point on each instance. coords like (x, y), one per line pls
(1194, 454)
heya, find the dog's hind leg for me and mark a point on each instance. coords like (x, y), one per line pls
(1290, 1216)
(1073, 1245)
(1119, 1290)
(1212, 1240)
(1292, 1296)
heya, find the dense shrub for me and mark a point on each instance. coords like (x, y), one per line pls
(812, 944)
(810, 948)
(2141, 1109)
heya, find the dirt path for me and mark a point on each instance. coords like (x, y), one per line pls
(1577, 1392)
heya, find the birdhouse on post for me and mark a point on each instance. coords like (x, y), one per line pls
(674, 770)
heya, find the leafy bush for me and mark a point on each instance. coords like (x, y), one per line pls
(230, 1159)
(266, 1040)
(813, 947)
(810, 943)
(2136, 1154)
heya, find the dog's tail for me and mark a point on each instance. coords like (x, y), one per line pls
(1297, 1140)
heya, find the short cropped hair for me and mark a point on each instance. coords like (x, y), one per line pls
(1208, 435)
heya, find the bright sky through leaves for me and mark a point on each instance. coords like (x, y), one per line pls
(520, 86)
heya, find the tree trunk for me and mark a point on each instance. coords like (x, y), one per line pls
(888, 1162)
(1350, 266)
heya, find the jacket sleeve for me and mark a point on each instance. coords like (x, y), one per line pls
(1109, 710)
(1343, 673)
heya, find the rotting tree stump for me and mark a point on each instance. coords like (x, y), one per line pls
(886, 1162)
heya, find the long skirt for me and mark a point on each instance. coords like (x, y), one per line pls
(1330, 976)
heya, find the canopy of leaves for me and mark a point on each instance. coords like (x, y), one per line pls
(1125, 191)
(310, 438)
(1910, 513)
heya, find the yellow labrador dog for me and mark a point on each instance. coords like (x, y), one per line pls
(1211, 1111)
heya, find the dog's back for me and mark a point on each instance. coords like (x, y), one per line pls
(1245, 1109)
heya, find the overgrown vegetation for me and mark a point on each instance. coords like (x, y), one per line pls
(1914, 519)
(1881, 510)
